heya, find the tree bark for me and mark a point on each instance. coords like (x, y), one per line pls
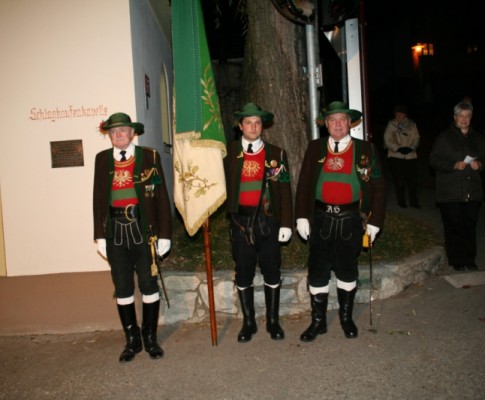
(274, 78)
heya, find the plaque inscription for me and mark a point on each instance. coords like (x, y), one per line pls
(67, 153)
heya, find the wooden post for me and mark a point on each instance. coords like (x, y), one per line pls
(210, 288)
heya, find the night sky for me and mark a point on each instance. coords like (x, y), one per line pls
(392, 28)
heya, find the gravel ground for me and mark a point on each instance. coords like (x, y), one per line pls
(428, 342)
(425, 343)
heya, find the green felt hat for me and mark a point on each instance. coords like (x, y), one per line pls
(122, 119)
(253, 110)
(339, 107)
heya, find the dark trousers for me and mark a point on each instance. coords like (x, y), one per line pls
(335, 244)
(405, 175)
(129, 253)
(460, 228)
(266, 250)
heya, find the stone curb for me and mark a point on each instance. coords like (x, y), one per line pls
(188, 294)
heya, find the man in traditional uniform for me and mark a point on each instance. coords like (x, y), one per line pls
(340, 196)
(132, 220)
(259, 202)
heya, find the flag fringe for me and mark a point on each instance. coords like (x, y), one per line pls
(214, 144)
(191, 135)
(192, 230)
(193, 138)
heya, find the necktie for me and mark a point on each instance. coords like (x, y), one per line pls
(335, 149)
(250, 148)
(123, 155)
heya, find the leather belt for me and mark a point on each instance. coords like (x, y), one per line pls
(130, 212)
(337, 209)
(246, 211)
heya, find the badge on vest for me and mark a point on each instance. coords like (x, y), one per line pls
(364, 171)
(276, 173)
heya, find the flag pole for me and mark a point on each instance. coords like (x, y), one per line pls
(199, 139)
(210, 287)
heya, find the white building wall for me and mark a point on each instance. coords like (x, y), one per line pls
(151, 56)
(66, 65)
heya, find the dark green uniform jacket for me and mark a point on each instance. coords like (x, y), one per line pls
(368, 168)
(278, 186)
(150, 187)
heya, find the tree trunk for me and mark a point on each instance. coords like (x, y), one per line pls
(273, 78)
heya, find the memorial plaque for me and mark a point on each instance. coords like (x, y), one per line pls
(67, 153)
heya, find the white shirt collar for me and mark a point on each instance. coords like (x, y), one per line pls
(257, 144)
(342, 142)
(130, 152)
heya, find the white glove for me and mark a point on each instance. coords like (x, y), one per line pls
(163, 246)
(372, 232)
(284, 235)
(101, 247)
(303, 228)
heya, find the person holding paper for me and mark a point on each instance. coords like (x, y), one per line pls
(457, 157)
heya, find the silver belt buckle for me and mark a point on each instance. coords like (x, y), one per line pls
(332, 209)
(129, 212)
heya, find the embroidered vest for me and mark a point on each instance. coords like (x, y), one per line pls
(123, 188)
(338, 182)
(251, 178)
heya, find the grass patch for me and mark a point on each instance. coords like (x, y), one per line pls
(401, 237)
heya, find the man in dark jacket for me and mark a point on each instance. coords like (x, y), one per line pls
(259, 202)
(340, 196)
(457, 157)
(132, 217)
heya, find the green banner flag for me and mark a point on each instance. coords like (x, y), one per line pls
(199, 141)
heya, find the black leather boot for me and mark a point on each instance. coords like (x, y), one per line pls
(149, 329)
(318, 326)
(249, 328)
(272, 297)
(346, 303)
(132, 332)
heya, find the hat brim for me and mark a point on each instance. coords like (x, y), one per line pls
(138, 127)
(353, 114)
(264, 115)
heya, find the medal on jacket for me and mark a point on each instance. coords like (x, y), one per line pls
(365, 170)
(275, 172)
(155, 179)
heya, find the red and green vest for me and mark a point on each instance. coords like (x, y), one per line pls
(123, 186)
(251, 179)
(338, 182)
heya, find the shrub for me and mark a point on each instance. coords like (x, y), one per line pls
(401, 237)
